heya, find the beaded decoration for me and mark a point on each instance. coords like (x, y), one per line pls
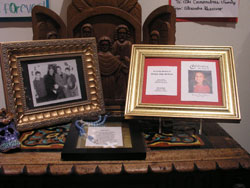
(80, 124)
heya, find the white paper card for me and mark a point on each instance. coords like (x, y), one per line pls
(199, 81)
(206, 8)
(19, 8)
(161, 80)
(104, 137)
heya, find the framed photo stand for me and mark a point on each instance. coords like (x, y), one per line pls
(192, 83)
(48, 82)
(113, 141)
(197, 82)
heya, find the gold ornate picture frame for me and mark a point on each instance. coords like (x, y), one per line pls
(182, 82)
(51, 81)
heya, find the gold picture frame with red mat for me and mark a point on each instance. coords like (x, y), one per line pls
(160, 82)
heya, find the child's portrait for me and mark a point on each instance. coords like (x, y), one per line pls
(200, 82)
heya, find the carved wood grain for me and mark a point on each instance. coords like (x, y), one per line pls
(163, 14)
(107, 169)
(161, 167)
(183, 166)
(37, 169)
(60, 169)
(38, 163)
(245, 163)
(85, 169)
(42, 14)
(136, 168)
(205, 165)
(78, 6)
(10, 169)
(228, 164)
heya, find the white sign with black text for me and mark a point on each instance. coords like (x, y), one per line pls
(206, 8)
(161, 80)
(107, 137)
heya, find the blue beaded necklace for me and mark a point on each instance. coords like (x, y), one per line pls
(81, 125)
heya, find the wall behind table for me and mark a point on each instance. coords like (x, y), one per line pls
(187, 33)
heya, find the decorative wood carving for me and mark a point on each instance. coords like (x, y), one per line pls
(162, 161)
(46, 24)
(130, 6)
(113, 71)
(114, 23)
(159, 27)
(116, 27)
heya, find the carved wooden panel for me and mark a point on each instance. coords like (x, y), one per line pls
(159, 27)
(130, 6)
(115, 31)
(116, 25)
(46, 24)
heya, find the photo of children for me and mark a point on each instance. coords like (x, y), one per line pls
(54, 82)
(200, 81)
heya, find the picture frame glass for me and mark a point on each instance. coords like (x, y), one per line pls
(112, 141)
(51, 81)
(112, 135)
(182, 81)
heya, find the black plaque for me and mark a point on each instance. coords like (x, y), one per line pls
(133, 147)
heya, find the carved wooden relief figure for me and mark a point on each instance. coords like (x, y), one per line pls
(87, 30)
(159, 27)
(116, 29)
(113, 71)
(46, 24)
(122, 45)
(154, 37)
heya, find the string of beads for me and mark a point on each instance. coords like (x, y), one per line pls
(81, 125)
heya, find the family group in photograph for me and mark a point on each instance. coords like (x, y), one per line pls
(56, 84)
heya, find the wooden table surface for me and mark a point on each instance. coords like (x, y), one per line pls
(224, 154)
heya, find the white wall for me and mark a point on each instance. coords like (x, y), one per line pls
(187, 33)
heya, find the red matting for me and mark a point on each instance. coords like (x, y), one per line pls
(233, 20)
(160, 99)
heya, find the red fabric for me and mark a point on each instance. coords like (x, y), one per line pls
(158, 99)
(201, 89)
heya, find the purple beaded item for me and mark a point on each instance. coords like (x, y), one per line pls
(8, 133)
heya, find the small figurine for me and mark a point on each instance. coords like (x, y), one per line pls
(114, 72)
(87, 30)
(154, 37)
(122, 45)
(8, 133)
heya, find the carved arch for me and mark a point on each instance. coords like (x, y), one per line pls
(45, 22)
(114, 17)
(130, 6)
(163, 20)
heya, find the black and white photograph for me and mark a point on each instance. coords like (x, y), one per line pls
(50, 82)
(53, 81)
